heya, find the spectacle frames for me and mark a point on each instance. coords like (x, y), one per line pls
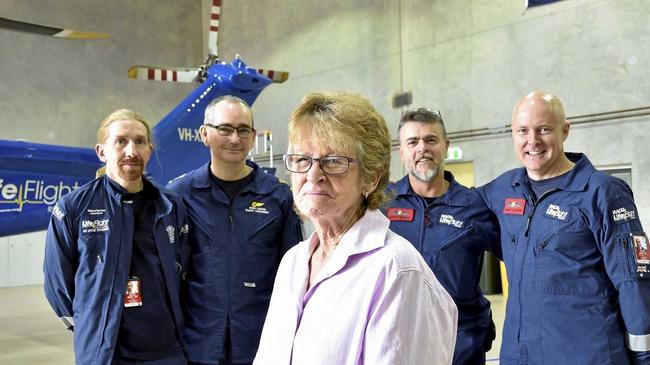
(227, 131)
(330, 165)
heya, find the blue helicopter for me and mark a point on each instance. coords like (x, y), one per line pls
(34, 176)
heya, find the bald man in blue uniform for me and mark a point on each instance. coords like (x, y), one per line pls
(572, 244)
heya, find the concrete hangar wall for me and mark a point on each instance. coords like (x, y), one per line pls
(57, 91)
(472, 59)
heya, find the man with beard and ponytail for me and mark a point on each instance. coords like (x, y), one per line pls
(115, 254)
(448, 224)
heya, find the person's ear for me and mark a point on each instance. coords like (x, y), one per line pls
(565, 130)
(203, 131)
(101, 154)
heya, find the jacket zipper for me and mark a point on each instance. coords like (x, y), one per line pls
(539, 248)
(534, 205)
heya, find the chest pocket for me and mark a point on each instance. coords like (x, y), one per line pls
(93, 237)
(458, 263)
(262, 250)
(512, 234)
(439, 234)
(567, 258)
(261, 221)
(92, 263)
(264, 234)
(166, 238)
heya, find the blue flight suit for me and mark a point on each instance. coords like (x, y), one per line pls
(452, 235)
(88, 257)
(577, 292)
(237, 249)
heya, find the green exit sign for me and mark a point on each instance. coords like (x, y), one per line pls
(454, 154)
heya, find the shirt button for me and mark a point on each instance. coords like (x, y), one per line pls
(100, 259)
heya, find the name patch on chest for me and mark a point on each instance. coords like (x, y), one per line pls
(514, 206)
(96, 211)
(400, 214)
(257, 207)
(554, 211)
(448, 219)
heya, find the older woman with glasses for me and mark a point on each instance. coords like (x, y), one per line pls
(354, 292)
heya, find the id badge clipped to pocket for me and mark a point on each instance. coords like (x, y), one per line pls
(133, 296)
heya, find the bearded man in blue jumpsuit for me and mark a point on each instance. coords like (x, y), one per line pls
(115, 253)
(571, 239)
(243, 222)
(448, 224)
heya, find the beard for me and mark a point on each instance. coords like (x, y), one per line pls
(427, 175)
(132, 171)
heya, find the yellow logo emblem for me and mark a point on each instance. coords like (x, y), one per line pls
(257, 207)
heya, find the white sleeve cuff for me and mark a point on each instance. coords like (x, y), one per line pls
(638, 342)
(67, 321)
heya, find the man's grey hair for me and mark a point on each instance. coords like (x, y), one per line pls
(422, 115)
(209, 110)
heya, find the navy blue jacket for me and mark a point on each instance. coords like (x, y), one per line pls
(88, 256)
(577, 293)
(236, 250)
(452, 235)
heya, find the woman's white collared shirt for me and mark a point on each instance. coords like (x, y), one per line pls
(374, 302)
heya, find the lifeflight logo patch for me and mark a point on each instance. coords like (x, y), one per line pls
(622, 215)
(554, 211)
(57, 213)
(449, 219)
(92, 226)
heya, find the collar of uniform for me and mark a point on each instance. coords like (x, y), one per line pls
(454, 196)
(580, 174)
(202, 177)
(401, 186)
(576, 179)
(163, 205)
(262, 183)
(116, 192)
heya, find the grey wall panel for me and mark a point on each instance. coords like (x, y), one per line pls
(57, 91)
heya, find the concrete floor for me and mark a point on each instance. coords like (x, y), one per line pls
(30, 332)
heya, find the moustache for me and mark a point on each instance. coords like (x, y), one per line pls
(132, 161)
(425, 155)
(234, 146)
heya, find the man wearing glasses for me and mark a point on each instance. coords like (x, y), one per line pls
(244, 222)
(448, 224)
